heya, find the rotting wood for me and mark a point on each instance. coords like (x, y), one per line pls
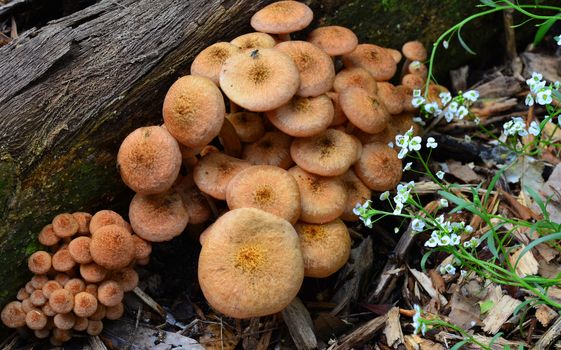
(96, 343)
(300, 325)
(360, 335)
(549, 336)
(393, 332)
(499, 314)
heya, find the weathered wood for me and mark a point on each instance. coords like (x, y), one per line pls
(300, 325)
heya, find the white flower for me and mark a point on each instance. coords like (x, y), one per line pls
(558, 39)
(398, 208)
(471, 95)
(440, 174)
(385, 196)
(431, 142)
(454, 239)
(515, 126)
(419, 121)
(467, 138)
(529, 100)
(468, 229)
(444, 240)
(463, 273)
(415, 143)
(367, 221)
(418, 225)
(534, 128)
(432, 108)
(449, 114)
(402, 153)
(417, 101)
(445, 97)
(536, 78)
(476, 120)
(396, 230)
(543, 97)
(537, 86)
(402, 140)
(445, 44)
(407, 166)
(453, 106)
(450, 269)
(416, 92)
(556, 85)
(415, 64)
(462, 112)
(432, 242)
(444, 203)
(360, 209)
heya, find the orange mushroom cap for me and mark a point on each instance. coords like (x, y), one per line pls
(47, 236)
(379, 168)
(254, 40)
(115, 312)
(39, 262)
(414, 51)
(358, 193)
(83, 220)
(375, 59)
(208, 63)
(334, 40)
(194, 200)
(249, 126)
(50, 287)
(365, 110)
(142, 248)
(214, 171)
(355, 77)
(64, 321)
(38, 281)
(282, 17)
(61, 301)
(94, 327)
(106, 217)
(391, 97)
(75, 285)
(38, 298)
(339, 117)
(111, 247)
(110, 293)
(127, 278)
(81, 324)
(65, 225)
(12, 315)
(35, 320)
(272, 149)
(85, 304)
(79, 250)
(62, 260)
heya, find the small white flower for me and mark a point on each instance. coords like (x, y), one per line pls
(536, 78)
(556, 85)
(384, 196)
(431, 242)
(402, 153)
(449, 115)
(466, 244)
(467, 138)
(534, 128)
(444, 203)
(444, 240)
(431, 142)
(529, 100)
(445, 44)
(543, 97)
(454, 239)
(463, 273)
(396, 230)
(367, 221)
(453, 106)
(462, 112)
(468, 229)
(440, 174)
(402, 140)
(537, 86)
(398, 208)
(417, 101)
(415, 143)
(476, 120)
(450, 269)
(407, 166)
(471, 95)
(432, 108)
(445, 97)
(416, 92)
(418, 225)
(558, 39)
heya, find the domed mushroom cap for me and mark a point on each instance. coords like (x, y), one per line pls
(115, 312)
(61, 301)
(214, 171)
(392, 97)
(378, 167)
(303, 116)
(325, 247)
(106, 217)
(413, 81)
(402, 122)
(39, 262)
(38, 298)
(355, 77)
(81, 324)
(83, 220)
(365, 110)
(330, 153)
(12, 314)
(112, 247)
(38, 281)
(65, 225)
(92, 272)
(254, 40)
(323, 198)
(268, 188)
(414, 51)
(85, 304)
(47, 236)
(64, 321)
(358, 194)
(35, 319)
(396, 55)
(149, 160)
(282, 17)
(251, 264)
(316, 68)
(62, 260)
(194, 110)
(127, 278)
(195, 202)
(334, 40)
(142, 248)
(272, 149)
(260, 80)
(208, 63)
(50, 287)
(158, 218)
(79, 250)
(110, 293)
(375, 59)
(249, 126)
(407, 94)
(95, 327)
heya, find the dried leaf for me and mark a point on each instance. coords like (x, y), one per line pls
(393, 332)
(463, 172)
(552, 188)
(527, 171)
(427, 285)
(464, 313)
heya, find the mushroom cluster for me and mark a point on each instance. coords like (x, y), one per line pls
(302, 144)
(82, 277)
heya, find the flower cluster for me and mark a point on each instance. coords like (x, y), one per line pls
(365, 212)
(407, 142)
(452, 108)
(517, 126)
(540, 92)
(418, 323)
(445, 233)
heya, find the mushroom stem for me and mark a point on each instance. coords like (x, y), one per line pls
(230, 140)
(284, 37)
(405, 68)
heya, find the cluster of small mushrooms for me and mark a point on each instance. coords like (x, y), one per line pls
(82, 277)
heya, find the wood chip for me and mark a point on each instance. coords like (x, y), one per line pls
(462, 172)
(393, 332)
(299, 323)
(527, 265)
(549, 336)
(427, 285)
(465, 312)
(360, 335)
(545, 314)
(554, 292)
(499, 314)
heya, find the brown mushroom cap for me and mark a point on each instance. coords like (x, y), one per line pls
(39, 262)
(48, 310)
(35, 320)
(282, 17)
(330, 153)
(358, 193)
(61, 335)
(83, 220)
(106, 217)
(272, 149)
(149, 160)
(396, 55)
(391, 97)
(38, 298)
(127, 278)
(27, 305)
(249, 126)
(194, 200)
(92, 272)
(407, 94)
(339, 117)
(115, 312)
(254, 40)
(385, 136)
(94, 327)
(316, 68)
(268, 188)
(85, 304)
(79, 250)
(402, 122)
(61, 301)
(323, 198)
(214, 171)
(112, 247)
(99, 313)
(378, 167)
(75, 285)
(29, 287)
(12, 315)
(414, 51)
(22, 294)
(365, 110)
(375, 59)
(250, 264)
(194, 110)
(47, 236)
(325, 247)
(334, 40)
(208, 62)
(110, 293)
(65, 225)
(81, 324)
(433, 94)
(142, 248)
(413, 81)
(355, 77)
(158, 218)
(64, 321)
(42, 333)
(62, 278)
(50, 287)
(38, 281)
(62, 260)
(418, 68)
(303, 116)
(260, 80)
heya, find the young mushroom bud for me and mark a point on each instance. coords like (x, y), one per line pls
(38, 281)
(38, 298)
(249, 126)
(65, 225)
(104, 218)
(50, 287)
(355, 77)
(195, 202)
(127, 278)
(115, 312)
(39, 262)
(83, 220)
(93, 272)
(81, 324)
(110, 293)
(112, 247)
(62, 260)
(85, 304)
(75, 285)
(12, 315)
(79, 250)
(375, 59)
(94, 327)
(282, 17)
(61, 301)
(35, 320)
(64, 321)
(47, 236)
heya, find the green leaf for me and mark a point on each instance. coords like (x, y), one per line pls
(544, 28)
(464, 45)
(495, 338)
(486, 305)
(458, 345)
(506, 347)
(489, 3)
(523, 305)
(424, 260)
(551, 237)
(538, 199)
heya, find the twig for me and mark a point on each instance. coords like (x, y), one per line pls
(10, 342)
(510, 39)
(360, 335)
(96, 343)
(300, 326)
(549, 336)
(150, 302)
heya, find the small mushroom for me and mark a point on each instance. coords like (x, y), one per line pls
(12, 315)
(81, 324)
(250, 264)
(254, 40)
(208, 62)
(83, 220)
(379, 168)
(414, 51)
(62, 278)
(282, 17)
(142, 248)
(127, 278)
(93, 272)
(106, 217)
(38, 298)
(35, 320)
(75, 285)
(375, 59)
(64, 321)
(47, 236)
(392, 97)
(413, 81)
(110, 293)
(396, 55)
(272, 149)
(62, 260)
(39, 262)
(65, 225)
(249, 126)
(334, 40)
(114, 312)
(365, 110)
(111, 247)
(79, 250)
(358, 193)
(99, 313)
(94, 327)
(355, 77)
(61, 301)
(38, 281)
(50, 287)
(339, 118)
(214, 171)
